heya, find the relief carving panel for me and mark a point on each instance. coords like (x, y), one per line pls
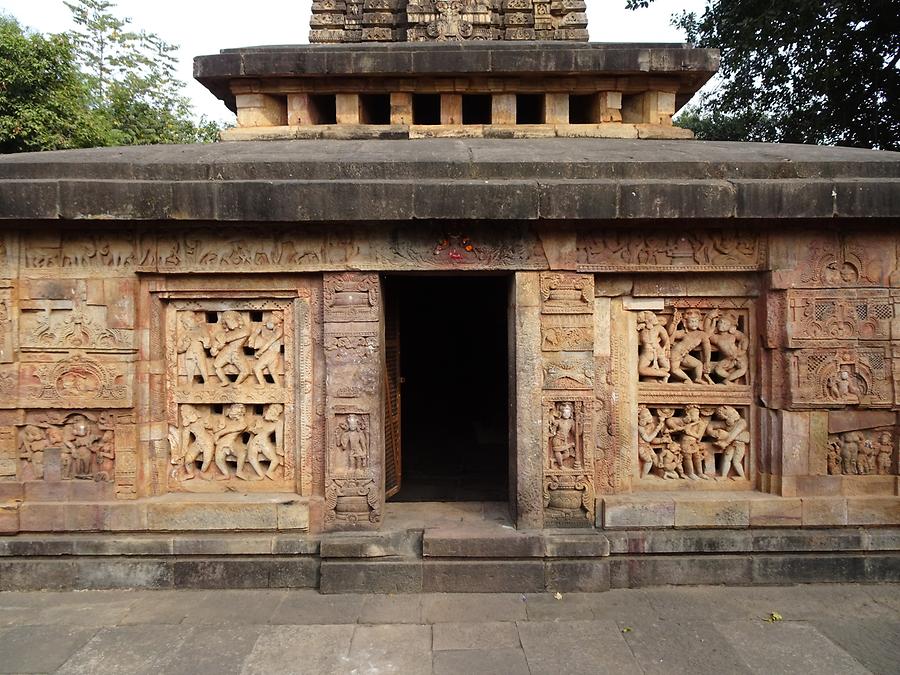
(817, 316)
(662, 251)
(231, 398)
(862, 453)
(693, 442)
(827, 378)
(87, 441)
(76, 381)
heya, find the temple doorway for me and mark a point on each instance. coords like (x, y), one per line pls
(446, 386)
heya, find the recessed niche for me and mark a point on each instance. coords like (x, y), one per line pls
(530, 109)
(476, 108)
(427, 109)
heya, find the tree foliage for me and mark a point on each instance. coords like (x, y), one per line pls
(100, 84)
(808, 71)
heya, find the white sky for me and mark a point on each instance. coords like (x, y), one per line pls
(204, 27)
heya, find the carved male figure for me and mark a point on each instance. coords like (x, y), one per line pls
(733, 438)
(267, 441)
(833, 458)
(267, 341)
(203, 446)
(692, 427)
(731, 343)
(562, 435)
(648, 430)
(228, 348)
(228, 440)
(686, 340)
(842, 387)
(353, 441)
(31, 449)
(653, 338)
(193, 343)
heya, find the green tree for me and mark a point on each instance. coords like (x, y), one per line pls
(43, 100)
(132, 78)
(808, 71)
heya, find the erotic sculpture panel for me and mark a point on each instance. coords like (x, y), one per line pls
(693, 347)
(219, 442)
(693, 442)
(861, 453)
(87, 442)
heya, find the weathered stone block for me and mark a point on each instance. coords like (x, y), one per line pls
(222, 545)
(293, 515)
(9, 518)
(776, 512)
(124, 574)
(38, 517)
(568, 545)
(294, 572)
(466, 544)
(386, 576)
(808, 569)
(632, 572)
(577, 576)
(823, 511)
(485, 576)
(628, 512)
(873, 511)
(211, 516)
(722, 512)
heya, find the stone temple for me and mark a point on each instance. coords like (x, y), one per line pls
(454, 307)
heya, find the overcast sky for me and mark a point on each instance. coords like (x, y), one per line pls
(204, 27)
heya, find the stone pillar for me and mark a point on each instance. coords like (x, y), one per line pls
(526, 466)
(401, 108)
(451, 109)
(354, 440)
(347, 108)
(261, 110)
(557, 109)
(503, 109)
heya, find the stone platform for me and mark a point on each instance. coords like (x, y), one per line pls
(454, 548)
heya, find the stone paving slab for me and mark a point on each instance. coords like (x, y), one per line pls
(825, 629)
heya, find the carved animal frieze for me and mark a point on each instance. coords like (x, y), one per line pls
(351, 345)
(234, 441)
(435, 249)
(207, 250)
(567, 339)
(659, 251)
(693, 442)
(88, 251)
(862, 453)
(87, 442)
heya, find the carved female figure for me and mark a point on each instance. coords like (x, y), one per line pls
(193, 343)
(850, 443)
(648, 430)
(653, 356)
(731, 343)
(267, 341)
(267, 441)
(31, 450)
(562, 435)
(228, 348)
(79, 442)
(353, 441)
(733, 438)
(193, 425)
(105, 459)
(885, 450)
(833, 459)
(686, 340)
(228, 440)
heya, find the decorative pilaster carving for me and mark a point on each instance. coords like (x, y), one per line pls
(567, 344)
(354, 453)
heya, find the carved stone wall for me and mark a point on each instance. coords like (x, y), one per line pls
(354, 451)
(829, 370)
(339, 21)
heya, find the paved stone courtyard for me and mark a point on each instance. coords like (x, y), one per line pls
(824, 629)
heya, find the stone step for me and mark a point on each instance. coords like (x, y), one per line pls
(380, 544)
(504, 543)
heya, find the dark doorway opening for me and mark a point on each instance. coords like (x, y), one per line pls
(454, 393)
